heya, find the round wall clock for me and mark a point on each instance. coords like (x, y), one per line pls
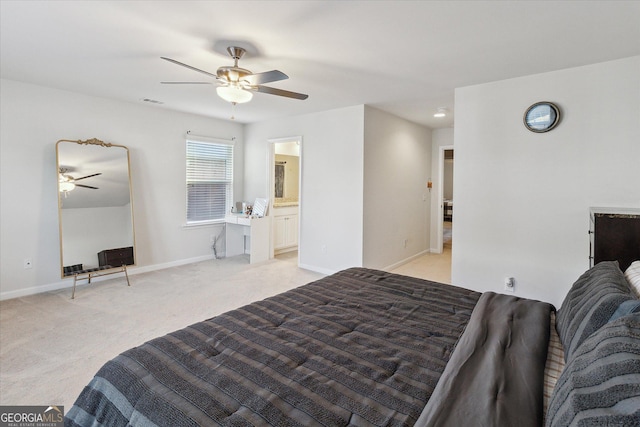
(541, 117)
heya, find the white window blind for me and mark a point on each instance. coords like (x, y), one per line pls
(209, 180)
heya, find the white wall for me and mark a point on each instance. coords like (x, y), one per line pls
(331, 196)
(522, 199)
(33, 118)
(397, 165)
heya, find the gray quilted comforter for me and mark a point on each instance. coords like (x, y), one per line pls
(361, 347)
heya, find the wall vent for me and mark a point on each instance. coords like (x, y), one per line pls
(152, 101)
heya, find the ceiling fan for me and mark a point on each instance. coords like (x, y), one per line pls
(238, 84)
(67, 183)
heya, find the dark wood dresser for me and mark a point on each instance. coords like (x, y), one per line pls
(116, 257)
(616, 236)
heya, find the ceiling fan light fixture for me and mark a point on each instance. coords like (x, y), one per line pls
(234, 94)
(442, 112)
(66, 186)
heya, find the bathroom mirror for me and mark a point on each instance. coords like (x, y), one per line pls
(286, 173)
(260, 207)
(95, 207)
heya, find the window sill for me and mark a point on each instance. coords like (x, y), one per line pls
(203, 223)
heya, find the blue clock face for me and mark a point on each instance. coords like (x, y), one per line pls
(541, 117)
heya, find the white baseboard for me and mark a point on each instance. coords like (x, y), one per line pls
(68, 283)
(62, 284)
(406, 260)
(388, 268)
(35, 290)
(148, 268)
(317, 269)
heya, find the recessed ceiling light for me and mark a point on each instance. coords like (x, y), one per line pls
(442, 112)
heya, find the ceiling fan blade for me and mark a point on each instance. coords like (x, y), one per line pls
(280, 92)
(186, 83)
(266, 77)
(87, 186)
(190, 67)
(88, 176)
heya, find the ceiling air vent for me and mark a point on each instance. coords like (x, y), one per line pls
(152, 101)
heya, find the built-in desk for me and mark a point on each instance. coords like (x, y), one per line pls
(247, 236)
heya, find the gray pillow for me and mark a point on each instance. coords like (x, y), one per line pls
(590, 303)
(600, 386)
(627, 307)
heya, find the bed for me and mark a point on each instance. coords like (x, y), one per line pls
(364, 347)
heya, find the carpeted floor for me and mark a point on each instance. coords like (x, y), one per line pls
(51, 345)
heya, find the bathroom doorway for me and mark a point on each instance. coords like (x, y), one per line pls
(284, 181)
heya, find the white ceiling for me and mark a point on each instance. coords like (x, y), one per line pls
(405, 57)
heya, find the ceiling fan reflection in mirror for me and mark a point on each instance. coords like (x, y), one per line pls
(67, 183)
(236, 85)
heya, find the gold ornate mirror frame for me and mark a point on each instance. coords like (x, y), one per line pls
(95, 209)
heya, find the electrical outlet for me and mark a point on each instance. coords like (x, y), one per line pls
(509, 284)
(323, 248)
(405, 242)
(27, 263)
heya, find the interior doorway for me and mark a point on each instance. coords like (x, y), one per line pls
(436, 265)
(444, 197)
(285, 193)
(447, 199)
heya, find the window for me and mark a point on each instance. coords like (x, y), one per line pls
(209, 180)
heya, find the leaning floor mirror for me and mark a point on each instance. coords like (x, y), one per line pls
(95, 209)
